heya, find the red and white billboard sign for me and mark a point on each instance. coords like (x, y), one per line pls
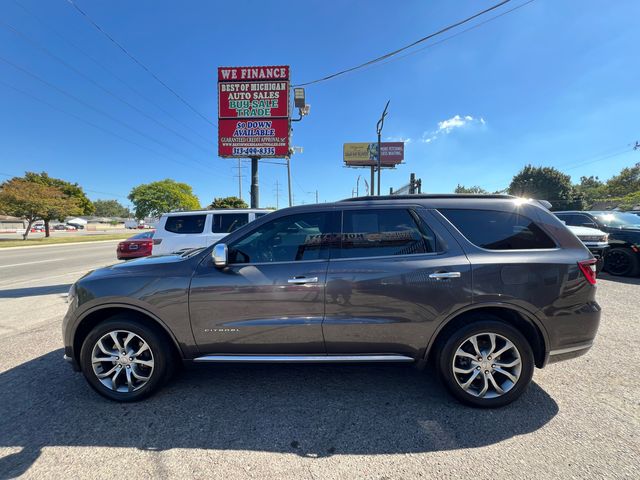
(253, 111)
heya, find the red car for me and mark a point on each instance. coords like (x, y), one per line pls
(137, 246)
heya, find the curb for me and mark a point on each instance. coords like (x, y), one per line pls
(2, 249)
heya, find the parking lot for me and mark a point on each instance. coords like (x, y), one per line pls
(579, 419)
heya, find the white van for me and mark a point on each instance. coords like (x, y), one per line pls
(181, 230)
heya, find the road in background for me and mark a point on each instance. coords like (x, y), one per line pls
(33, 279)
(578, 419)
(71, 233)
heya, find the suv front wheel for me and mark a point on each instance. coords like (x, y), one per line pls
(487, 363)
(125, 360)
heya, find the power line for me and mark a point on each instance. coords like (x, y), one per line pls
(450, 37)
(8, 175)
(98, 127)
(40, 47)
(113, 74)
(406, 47)
(96, 109)
(138, 62)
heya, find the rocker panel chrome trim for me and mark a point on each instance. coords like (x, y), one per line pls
(302, 358)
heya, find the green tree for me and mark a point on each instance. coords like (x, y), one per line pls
(110, 208)
(33, 201)
(625, 183)
(546, 183)
(630, 201)
(228, 202)
(155, 198)
(473, 189)
(590, 189)
(82, 205)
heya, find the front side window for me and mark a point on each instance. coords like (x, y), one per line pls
(294, 238)
(228, 222)
(496, 230)
(384, 232)
(185, 223)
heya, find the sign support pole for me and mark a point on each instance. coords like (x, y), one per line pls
(372, 188)
(255, 191)
(289, 180)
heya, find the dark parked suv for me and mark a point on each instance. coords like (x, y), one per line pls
(623, 228)
(485, 287)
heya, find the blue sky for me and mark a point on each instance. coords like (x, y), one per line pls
(555, 82)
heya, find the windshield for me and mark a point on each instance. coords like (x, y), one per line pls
(142, 236)
(618, 219)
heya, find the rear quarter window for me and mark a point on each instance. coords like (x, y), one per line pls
(185, 223)
(497, 230)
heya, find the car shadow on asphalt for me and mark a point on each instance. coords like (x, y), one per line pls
(613, 278)
(34, 291)
(309, 410)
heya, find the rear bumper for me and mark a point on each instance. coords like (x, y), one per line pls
(568, 353)
(572, 331)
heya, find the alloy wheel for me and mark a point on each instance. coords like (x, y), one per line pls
(487, 365)
(122, 361)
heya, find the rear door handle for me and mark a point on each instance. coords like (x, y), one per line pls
(302, 280)
(442, 275)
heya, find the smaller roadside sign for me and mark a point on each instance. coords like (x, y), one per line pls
(366, 154)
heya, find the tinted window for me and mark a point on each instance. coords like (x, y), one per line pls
(142, 236)
(368, 233)
(261, 214)
(495, 230)
(228, 222)
(305, 236)
(185, 223)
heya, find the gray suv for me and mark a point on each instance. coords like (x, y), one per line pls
(484, 287)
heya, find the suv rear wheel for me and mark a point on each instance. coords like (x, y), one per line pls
(487, 363)
(125, 360)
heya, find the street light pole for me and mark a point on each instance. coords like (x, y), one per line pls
(379, 126)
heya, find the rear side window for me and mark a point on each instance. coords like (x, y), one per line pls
(228, 222)
(495, 230)
(185, 223)
(372, 233)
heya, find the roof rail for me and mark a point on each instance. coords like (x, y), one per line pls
(427, 196)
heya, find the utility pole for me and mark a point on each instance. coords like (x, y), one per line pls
(358, 186)
(277, 194)
(379, 126)
(240, 167)
(317, 196)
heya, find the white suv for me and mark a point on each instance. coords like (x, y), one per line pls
(181, 230)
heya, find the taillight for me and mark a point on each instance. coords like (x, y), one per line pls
(157, 241)
(588, 269)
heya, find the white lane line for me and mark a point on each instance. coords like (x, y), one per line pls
(32, 263)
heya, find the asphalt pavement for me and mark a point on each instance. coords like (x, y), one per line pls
(579, 419)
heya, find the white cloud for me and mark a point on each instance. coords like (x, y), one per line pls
(447, 126)
(399, 139)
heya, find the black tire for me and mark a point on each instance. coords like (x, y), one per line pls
(621, 262)
(485, 324)
(161, 352)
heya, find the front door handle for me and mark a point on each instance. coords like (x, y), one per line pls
(302, 280)
(442, 275)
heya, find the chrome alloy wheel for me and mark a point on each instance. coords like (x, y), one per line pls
(487, 365)
(122, 361)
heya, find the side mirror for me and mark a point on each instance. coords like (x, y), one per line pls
(220, 254)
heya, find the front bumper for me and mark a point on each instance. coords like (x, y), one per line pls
(70, 359)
